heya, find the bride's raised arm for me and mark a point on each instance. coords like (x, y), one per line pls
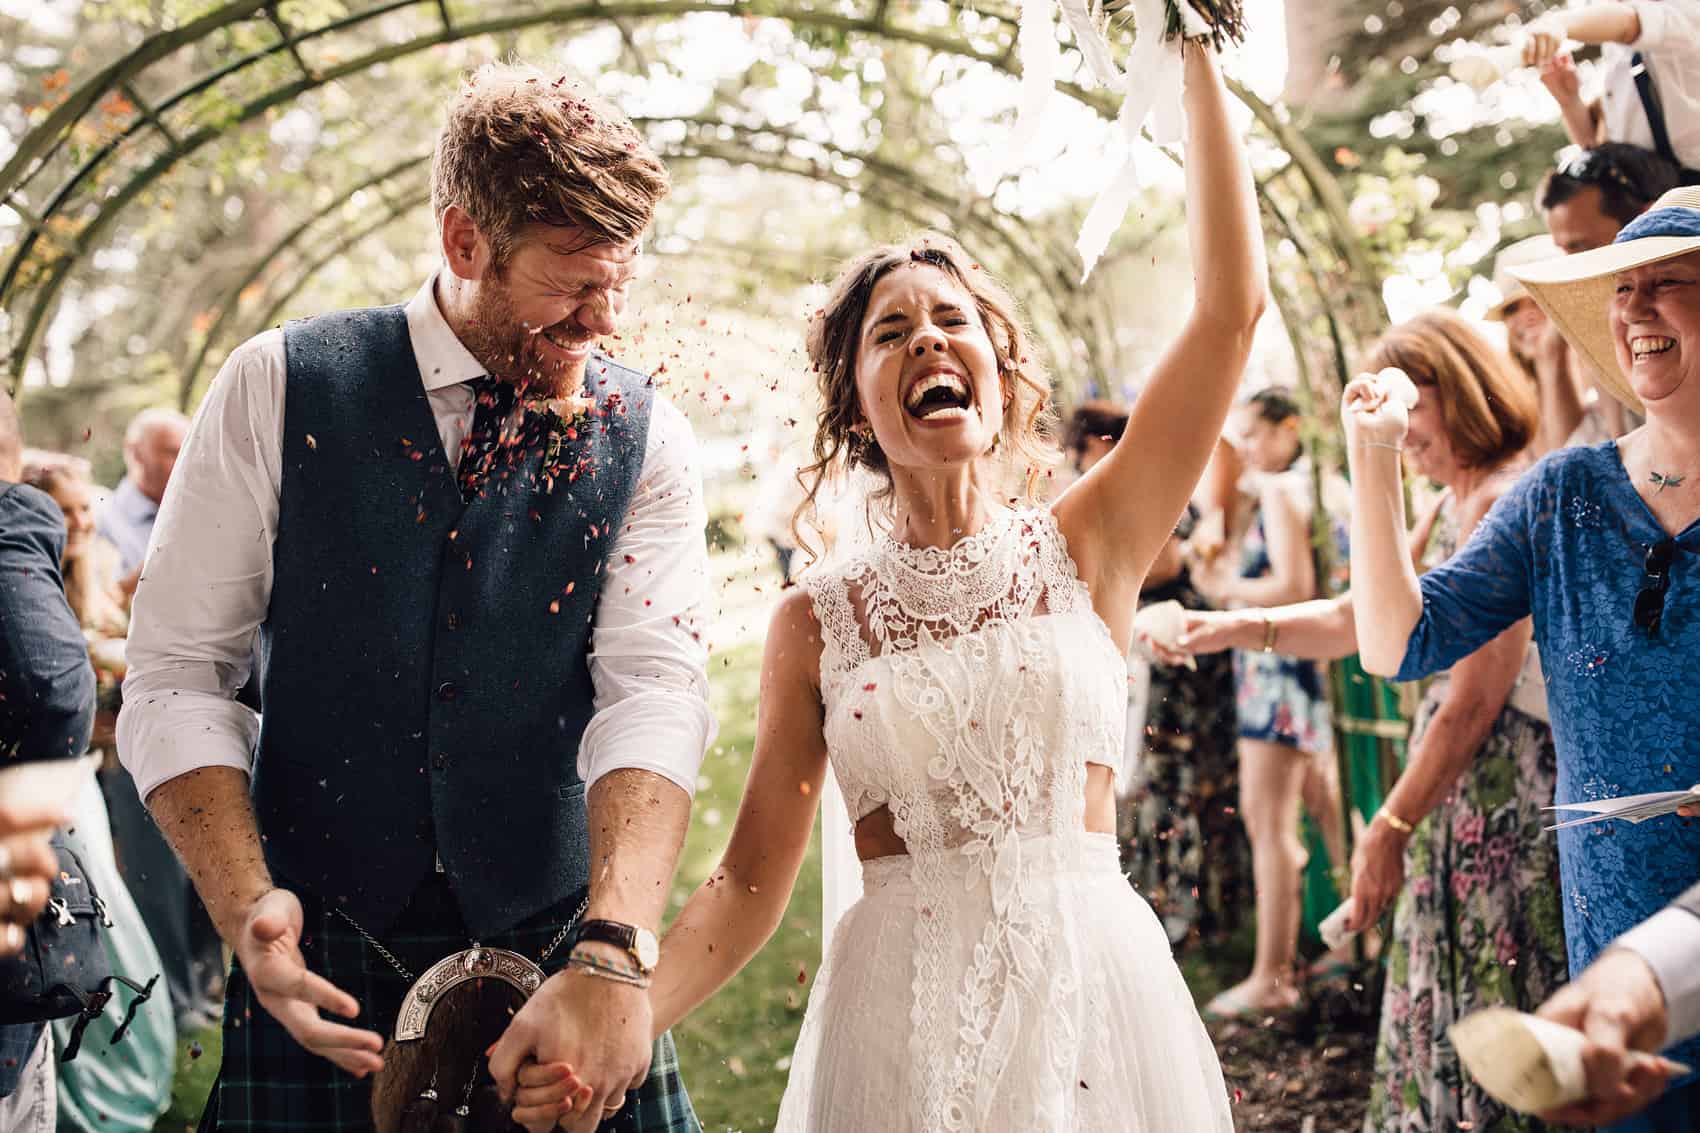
(1119, 514)
(734, 912)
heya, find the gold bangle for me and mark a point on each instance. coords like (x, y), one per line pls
(1395, 821)
(1270, 629)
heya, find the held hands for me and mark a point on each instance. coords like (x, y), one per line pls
(1205, 631)
(598, 1027)
(1376, 409)
(269, 950)
(1618, 1006)
(1378, 873)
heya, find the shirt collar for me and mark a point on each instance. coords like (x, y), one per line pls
(443, 359)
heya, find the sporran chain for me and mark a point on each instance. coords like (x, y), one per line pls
(401, 969)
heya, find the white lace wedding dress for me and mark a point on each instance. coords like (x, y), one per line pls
(1002, 975)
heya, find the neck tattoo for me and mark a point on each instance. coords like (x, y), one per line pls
(1662, 481)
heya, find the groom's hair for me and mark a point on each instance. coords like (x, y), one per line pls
(522, 146)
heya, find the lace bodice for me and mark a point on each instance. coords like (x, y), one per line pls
(967, 689)
(936, 664)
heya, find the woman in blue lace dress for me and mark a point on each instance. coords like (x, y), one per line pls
(1602, 546)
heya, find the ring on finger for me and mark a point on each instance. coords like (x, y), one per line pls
(5, 862)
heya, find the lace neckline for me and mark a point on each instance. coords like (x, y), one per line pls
(966, 551)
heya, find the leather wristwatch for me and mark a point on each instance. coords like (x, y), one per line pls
(638, 943)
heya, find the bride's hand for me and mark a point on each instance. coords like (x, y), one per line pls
(1376, 409)
(546, 1094)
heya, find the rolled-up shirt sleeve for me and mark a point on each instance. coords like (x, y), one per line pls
(207, 580)
(1480, 592)
(1670, 943)
(649, 659)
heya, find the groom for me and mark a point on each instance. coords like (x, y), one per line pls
(471, 548)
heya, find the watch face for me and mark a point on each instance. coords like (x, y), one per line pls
(647, 949)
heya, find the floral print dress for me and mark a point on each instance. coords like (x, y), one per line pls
(1479, 922)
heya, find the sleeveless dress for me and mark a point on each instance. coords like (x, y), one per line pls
(1001, 974)
(1281, 699)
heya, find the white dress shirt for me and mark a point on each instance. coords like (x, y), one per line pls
(1670, 46)
(1669, 941)
(207, 580)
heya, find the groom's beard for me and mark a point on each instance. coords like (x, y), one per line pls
(511, 352)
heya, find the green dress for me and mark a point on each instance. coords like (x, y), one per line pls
(1479, 922)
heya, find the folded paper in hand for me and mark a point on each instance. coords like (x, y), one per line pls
(1631, 808)
(1529, 1063)
(1333, 927)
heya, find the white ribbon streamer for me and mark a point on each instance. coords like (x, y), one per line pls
(1152, 89)
(1101, 69)
(1041, 63)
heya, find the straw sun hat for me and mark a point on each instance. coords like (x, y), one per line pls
(1510, 288)
(1576, 291)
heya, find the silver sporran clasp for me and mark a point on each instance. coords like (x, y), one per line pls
(475, 963)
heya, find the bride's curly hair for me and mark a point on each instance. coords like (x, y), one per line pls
(1027, 440)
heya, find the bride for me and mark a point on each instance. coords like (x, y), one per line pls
(964, 677)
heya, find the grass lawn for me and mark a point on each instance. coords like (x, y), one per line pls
(734, 1048)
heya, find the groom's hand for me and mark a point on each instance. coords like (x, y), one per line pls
(269, 949)
(599, 1027)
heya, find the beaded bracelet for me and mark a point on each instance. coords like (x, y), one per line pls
(602, 969)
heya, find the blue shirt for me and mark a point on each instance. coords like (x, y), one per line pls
(127, 522)
(1567, 544)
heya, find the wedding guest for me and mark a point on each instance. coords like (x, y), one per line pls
(1585, 202)
(88, 566)
(125, 1086)
(152, 441)
(1600, 545)
(1540, 352)
(1286, 733)
(1642, 994)
(1459, 839)
(1181, 842)
(46, 712)
(1650, 53)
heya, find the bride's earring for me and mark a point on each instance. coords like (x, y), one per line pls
(861, 443)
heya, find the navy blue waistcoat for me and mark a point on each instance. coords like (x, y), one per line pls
(425, 664)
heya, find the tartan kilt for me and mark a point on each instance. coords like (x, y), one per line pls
(268, 1082)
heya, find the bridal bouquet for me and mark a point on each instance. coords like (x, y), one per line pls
(1151, 83)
